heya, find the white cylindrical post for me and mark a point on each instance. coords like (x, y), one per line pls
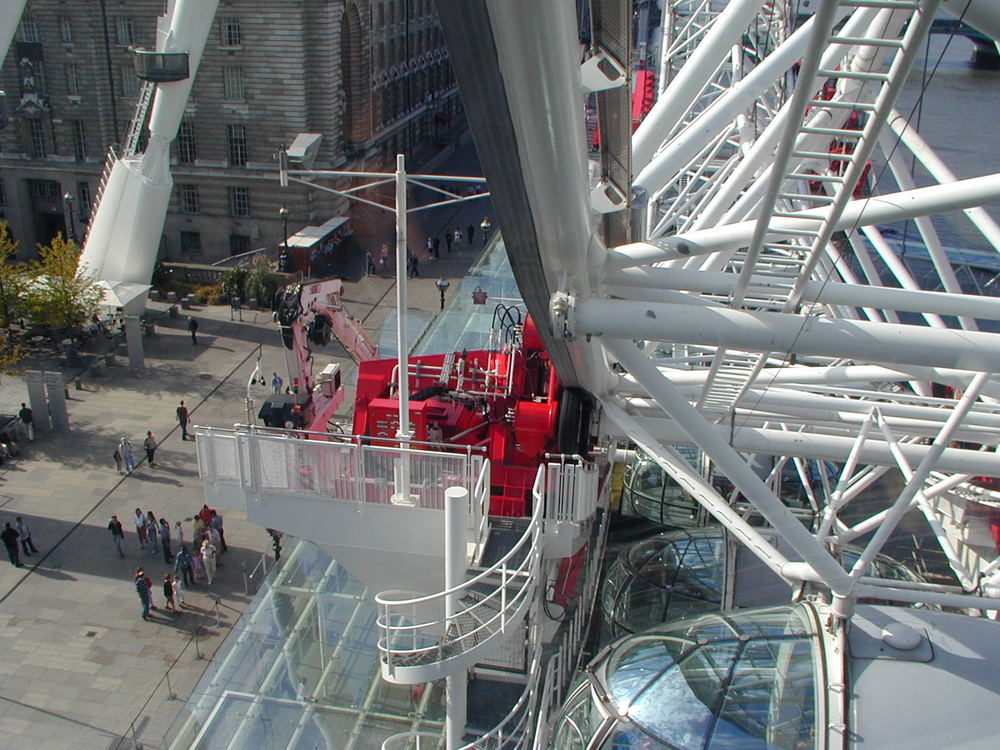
(402, 475)
(456, 502)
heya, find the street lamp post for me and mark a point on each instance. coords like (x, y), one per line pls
(442, 285)
(68, 200)
(284, 258)
(485, 226)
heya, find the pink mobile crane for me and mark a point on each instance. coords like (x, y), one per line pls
(309, 315)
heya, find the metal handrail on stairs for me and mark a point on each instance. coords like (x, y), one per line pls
(408, 639)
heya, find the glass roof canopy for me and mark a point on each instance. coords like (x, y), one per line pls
(300, 670)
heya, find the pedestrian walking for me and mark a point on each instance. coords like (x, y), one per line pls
(470, 232)
(140, 528)
(216, 523)
(276, 383)
(25, 533)
(168, 592)
(458, 237)
(27, 420)
(9, 537)
(127, 456)
(411, 265)
(117, 535)
(152, 532)
(178, 591)
(193, 328)
(430, 249)
(437, 247)
(182, 420)
(149, 445)
(369, 263)
(142, 589)
(119, 461)
(209, 555)
(383, 258)
(165, 540)
(184, 565)
(448, 239)
(179, 533)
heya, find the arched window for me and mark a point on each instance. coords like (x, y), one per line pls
(356, 119)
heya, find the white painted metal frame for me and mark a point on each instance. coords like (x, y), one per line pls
(845, 340)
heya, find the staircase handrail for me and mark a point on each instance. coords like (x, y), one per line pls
(404, 741)
(481, 501)
(527, 572)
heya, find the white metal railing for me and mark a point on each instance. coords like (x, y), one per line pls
(414, 741)
(571, 489)
(408, 638)
(562, 666)
(479, 509)
(334, 466)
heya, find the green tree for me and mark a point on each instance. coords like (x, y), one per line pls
(262, 282)
(233, 282)
(58, 296)
(13, 279)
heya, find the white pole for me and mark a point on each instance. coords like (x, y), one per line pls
(456, 502)
(403, 393)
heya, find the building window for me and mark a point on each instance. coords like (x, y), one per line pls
(73, 79)
(79, 141)
(66, 30)
(186, 153)
(27, 30)
(239, 243)
(126, 33)
(189, 199)
(239, 201)
(232, 83)
(37, 132)
(40, 80)
(237, 145)
(130, 83)
(229, 30)
(190, 242)
(83, 200)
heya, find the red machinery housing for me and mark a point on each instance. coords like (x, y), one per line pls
(506, 399)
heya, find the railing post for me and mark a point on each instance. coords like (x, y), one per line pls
(456, 500)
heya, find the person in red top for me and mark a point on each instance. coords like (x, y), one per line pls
(205, 514)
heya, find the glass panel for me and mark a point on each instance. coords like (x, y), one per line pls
(679, 707)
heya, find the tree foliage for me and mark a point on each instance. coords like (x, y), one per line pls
(13, 279)
(57, 296)
(250, 281)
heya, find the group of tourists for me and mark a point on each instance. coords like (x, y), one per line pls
(192, 564)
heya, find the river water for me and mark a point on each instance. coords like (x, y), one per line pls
(958, 117)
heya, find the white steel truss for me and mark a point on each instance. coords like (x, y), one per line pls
(762, 309)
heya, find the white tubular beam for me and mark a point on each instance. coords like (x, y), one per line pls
(887, 343)
(686, 86)
(830, 447)
(793, 375)
(976, 191)
(838, 498)
(681, 470)
(637, 280)
(709, 439)
(720, 115)
(10, 17)
(916, 480)
(940, 171)
(913, 596)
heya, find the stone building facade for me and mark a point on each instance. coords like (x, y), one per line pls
(371, 76)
